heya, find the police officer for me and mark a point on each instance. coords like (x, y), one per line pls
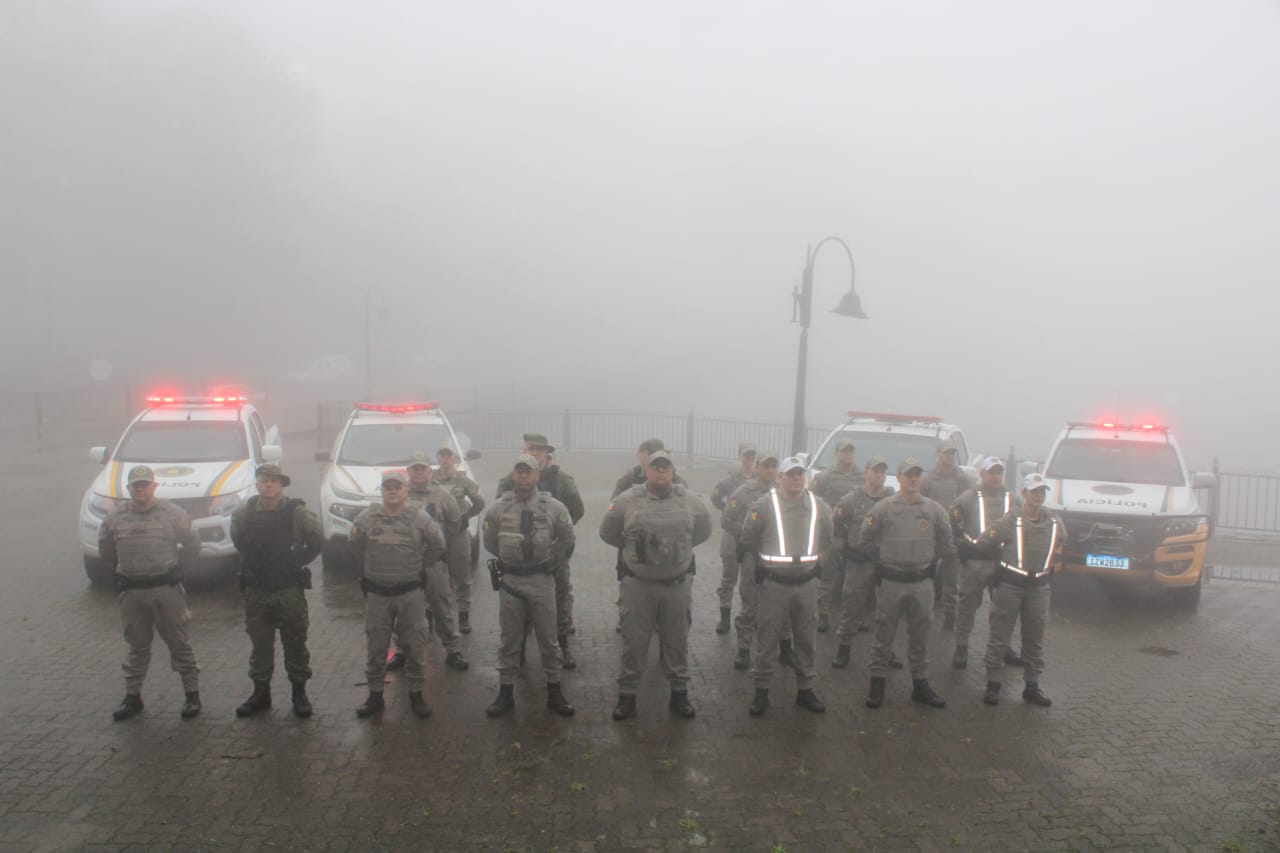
(972, 513)
(276, 537)
(443, 509)
(656, 526)
(944, 484)
(910, 534)
(860, 575)
(787, 531)
(558, 483)
(466, 493)
(145, 541)
(530, 533)
(396, 543)
(731, 520)
(1031, 548)
(729, 539)
(831, 485)
(636, 475)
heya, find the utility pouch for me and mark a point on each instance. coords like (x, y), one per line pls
(495, 575)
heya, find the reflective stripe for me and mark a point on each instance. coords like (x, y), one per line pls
(982, 516)
(784, 559)
(1048, 559)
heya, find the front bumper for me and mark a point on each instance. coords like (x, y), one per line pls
(1154, 558)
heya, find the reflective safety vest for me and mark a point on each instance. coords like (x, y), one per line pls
(982, 520)
(1033, 574)
(809, 557)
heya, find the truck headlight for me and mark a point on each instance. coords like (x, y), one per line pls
(100, 506)
(1187, 526)
(343, 494)
(226, 504)
(347, 512)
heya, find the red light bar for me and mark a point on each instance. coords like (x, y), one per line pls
(1117, 426)
(397, 409)
(898, 419)
(203, 400)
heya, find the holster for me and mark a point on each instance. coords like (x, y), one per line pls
(495, 575)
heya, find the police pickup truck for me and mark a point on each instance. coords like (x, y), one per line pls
(1130, 506)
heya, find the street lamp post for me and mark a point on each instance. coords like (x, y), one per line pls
(801, 312)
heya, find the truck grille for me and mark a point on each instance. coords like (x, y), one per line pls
(194, 507)
(1119, 537)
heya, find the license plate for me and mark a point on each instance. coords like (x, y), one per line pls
(1105, 561)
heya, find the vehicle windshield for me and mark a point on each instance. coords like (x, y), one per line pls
(892, 446)
(183, 441)
(1113, 461)
(391, 444)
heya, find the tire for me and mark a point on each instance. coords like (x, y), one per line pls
(97, 570)
(1189, 596)
(335, 556)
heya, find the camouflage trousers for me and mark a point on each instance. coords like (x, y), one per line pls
(269, 611)
(146, 612)
(403, 616)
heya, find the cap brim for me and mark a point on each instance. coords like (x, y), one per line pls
(912, 468)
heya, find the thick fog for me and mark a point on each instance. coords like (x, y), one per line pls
(1057, 211)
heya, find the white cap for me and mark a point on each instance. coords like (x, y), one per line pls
(791, 463)
(1031, 482)
(990, 462)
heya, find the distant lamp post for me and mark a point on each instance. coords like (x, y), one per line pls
(801, 312)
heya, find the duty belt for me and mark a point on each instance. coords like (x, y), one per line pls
(546, 567)
(274, 583)
(168, 578)
(791, 580)
(676, 581)
(391, 591)
(893, 573)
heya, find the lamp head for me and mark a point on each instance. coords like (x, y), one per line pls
(850, 306)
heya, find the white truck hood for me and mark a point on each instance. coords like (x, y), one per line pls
(1122, 498)
(181, 479)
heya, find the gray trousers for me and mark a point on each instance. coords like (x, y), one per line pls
(1008, 602)
(914, 602)
(458, 558)
(748, 594)
(945, 584)
(781, 609)
(564, 598)
(655, 607)
(524, 601)
(972, 583)
(859, 599)
(439, 594)
(159, 610)
(831, 587)
(729, 570)
(402, 615)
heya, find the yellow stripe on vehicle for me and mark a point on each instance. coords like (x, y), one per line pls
(113, 480)
(222, 478)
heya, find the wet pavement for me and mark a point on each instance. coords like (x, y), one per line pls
(1164, 733)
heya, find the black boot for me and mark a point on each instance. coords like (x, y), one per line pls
(455, 660)
(809, 700)
(626, 706)
(557, 702)
(259, 701)
(569, 662)
(131, 706)
(504, 704)
(418, 704)
(876, 697)
(787, 654)
(924, 694)
(1035, 696)
(961, 658)
(992, 696)
(371, 706)
(742, 660)
(842, 656)
(760, 703)
(681, 705)
(824, 623)
(301, 704)
(396, 662)
(191, 707)
(722, 627)
(464, 621)
(1012, 658)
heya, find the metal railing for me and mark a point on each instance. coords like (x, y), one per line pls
(1249, 502)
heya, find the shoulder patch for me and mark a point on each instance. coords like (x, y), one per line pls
(613, 505)
(755, 515)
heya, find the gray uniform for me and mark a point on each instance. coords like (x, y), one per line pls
(558, 483)
(831, 485)
(436, 501)
(972, 513)
(909, 539)
(788, 593)
(1022, 588)
(396, 551)
(466, 493)
(944, 489)
(656, 535)
(529, 538)
(735, 514)
(859, 567)
(145, 547)
(729, 564)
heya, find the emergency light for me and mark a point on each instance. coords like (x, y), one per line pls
(198, 400)
(897, 419)
(397, 409)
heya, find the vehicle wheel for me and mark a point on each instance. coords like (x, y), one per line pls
(475, 552)
(1189, 596)
(97, 570)
(334, 556)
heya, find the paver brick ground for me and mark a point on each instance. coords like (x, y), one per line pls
(1163, 733)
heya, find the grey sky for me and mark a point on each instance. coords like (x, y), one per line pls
(1057, 210)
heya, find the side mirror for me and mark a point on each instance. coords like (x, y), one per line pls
(1203, 480)
(98, 454)
(472, 455)
(273, 435)
(323, 456)
(271, 453)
